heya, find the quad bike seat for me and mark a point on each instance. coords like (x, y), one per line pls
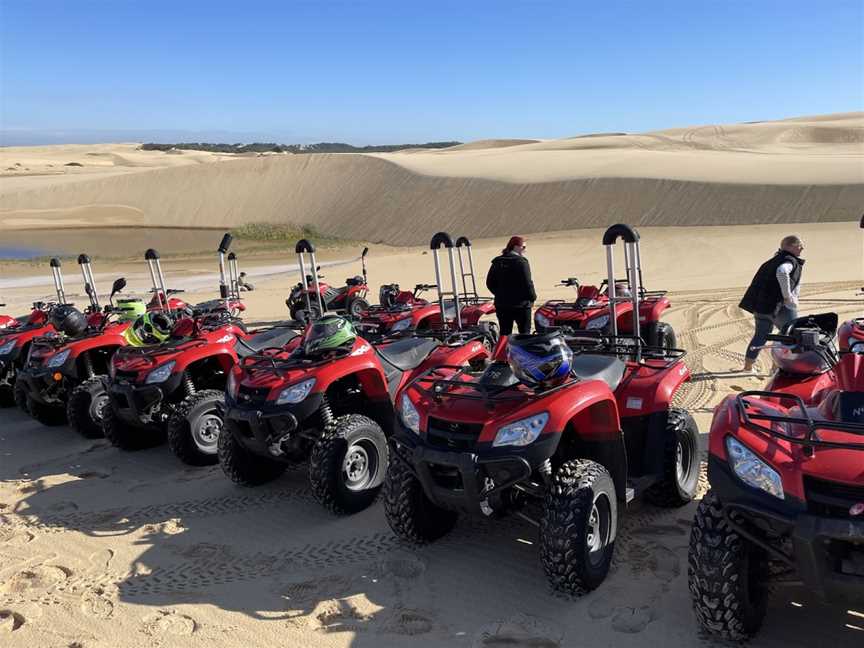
(598, 367)
(278, 336)
(408, 353)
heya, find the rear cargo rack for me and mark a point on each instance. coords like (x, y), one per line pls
(439, 387)
(161, 350)
(750, 420)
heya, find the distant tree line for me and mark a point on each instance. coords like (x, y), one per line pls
(271, 147)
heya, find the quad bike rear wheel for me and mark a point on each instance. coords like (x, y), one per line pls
(660, 334)
(348, 464)
(86, 406)
(128, 437)
(356, 307)
(50, 415)
(194, 428)
(19, 393)
(727, 575)
(244, 467)
(411, 515)
(304, 315)
(577, 530)
(680, 479)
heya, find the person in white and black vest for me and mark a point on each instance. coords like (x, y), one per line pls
(772, 296)
(509, 279)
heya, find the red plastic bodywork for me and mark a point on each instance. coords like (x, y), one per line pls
(568, 314)
(850, 333)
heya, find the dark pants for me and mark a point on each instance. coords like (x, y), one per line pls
(508, 315)
(765, 323)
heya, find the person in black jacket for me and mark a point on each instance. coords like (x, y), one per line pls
(772, 296)
(509, 279)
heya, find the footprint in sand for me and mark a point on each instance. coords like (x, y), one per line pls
(346, 615)
(408, 622)
(10, 621)
(93, 474)
(168, 622)
(173, 526)
(16, 537)
(298, 595)
(633, 620)
(523, 631)
(37, 578)
(102, 558)
(95, 604)
(403, 565)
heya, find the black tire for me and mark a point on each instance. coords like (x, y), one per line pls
(577, 530)
(244, 467)
(19, 393)
(304, 315)
(680, 479)
(348, 488)
(50, 415)
(411, 515)
(727, 575)
(85, 407)
(125, 436)
(660, 334)
(356, 307)
(195, 426)
(490, 335)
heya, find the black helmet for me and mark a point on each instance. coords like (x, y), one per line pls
(387, 295)
(68, 320)
(540, 359)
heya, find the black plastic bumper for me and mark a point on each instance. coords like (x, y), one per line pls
(819, 543)
(462, 480)
(135, 403)
(41, 386)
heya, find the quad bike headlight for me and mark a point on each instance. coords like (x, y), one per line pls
(160, 374)
(522, 432)
(401, 325)
(295, 393)
(598, 323)
(541, 320)
(408, 413)
(58, 359)
(752, 470)
(6, 347)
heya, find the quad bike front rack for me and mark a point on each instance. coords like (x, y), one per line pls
(442, 239)
(89, 282)
(306, 251)
(158, 279)
(633, 267)
(468, 296)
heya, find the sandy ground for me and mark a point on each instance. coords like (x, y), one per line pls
(100, 547)
(809, 169)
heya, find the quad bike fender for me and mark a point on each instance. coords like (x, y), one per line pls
(651, 310)
(850, 372)
(811, 389)
(850, 333)
(458, 355)
(472, 314)
(225, 356)
(650, 390)
(591, 413)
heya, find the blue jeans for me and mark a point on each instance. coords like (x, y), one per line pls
(765, 323)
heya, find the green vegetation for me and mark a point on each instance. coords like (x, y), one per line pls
(271, 147)
(275, 232)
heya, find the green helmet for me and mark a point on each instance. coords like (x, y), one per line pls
(328, 334)
(130, 308)
(149, 328)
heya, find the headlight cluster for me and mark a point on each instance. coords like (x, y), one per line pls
(522, 432)
(295, 393)
(598, 323)
(7, 347)
(409, 414)
(160, 374)
(752, 470)
(401, 325)
(58, 359)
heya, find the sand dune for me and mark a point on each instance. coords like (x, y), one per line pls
(801, 170)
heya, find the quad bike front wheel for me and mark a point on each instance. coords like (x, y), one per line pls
(348, 464)
(577, 530)
(680, 478)
(660, 334)
(50, 415)
(85, 408)
(357, 307)
(727, 575)
(194, 428)
(244, 467)
(127, 437)
(19, 393)
(411, 515)
(305, 315)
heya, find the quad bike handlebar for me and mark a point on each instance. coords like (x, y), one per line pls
(569, 282)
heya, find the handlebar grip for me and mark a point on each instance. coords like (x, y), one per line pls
(225, 243)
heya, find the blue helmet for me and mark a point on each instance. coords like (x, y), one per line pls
(540, 359)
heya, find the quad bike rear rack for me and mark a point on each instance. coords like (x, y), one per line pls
(751, 421)
(263, 361)
(160, 350)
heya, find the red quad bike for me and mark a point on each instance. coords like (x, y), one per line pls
(401, 310)
(15, 341)
(332, 408)
(590, 310)
(62, 374)
(310, 298)
(177, 388)
(565, 454)
(786, 502)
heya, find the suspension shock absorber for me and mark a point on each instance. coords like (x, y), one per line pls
(326, 412)
(188, 384)
(545, 472)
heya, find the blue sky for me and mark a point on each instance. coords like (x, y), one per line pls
(364, 71)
